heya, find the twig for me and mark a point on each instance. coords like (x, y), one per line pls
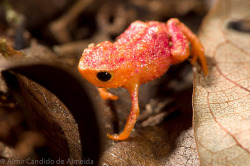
(59, 27)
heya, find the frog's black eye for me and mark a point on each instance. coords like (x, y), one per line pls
(103, 76)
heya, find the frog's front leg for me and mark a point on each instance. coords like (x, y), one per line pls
(180, 36)
(133, 90)
(106, 95)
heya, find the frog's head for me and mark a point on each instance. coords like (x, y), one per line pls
(103, 66)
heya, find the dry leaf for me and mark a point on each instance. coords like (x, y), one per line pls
(221, 100)
(47, 113)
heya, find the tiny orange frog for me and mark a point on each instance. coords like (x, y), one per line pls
(142, 53)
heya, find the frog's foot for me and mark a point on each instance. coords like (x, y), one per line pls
(127, 130)
(106, 95)
(128, 127)
(120, 137)
(198, 52)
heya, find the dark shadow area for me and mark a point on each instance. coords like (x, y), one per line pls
(44, 74)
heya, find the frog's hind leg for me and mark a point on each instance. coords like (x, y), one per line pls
(179, 45)
(180, 37)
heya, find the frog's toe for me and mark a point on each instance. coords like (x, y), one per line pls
(113, 97)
